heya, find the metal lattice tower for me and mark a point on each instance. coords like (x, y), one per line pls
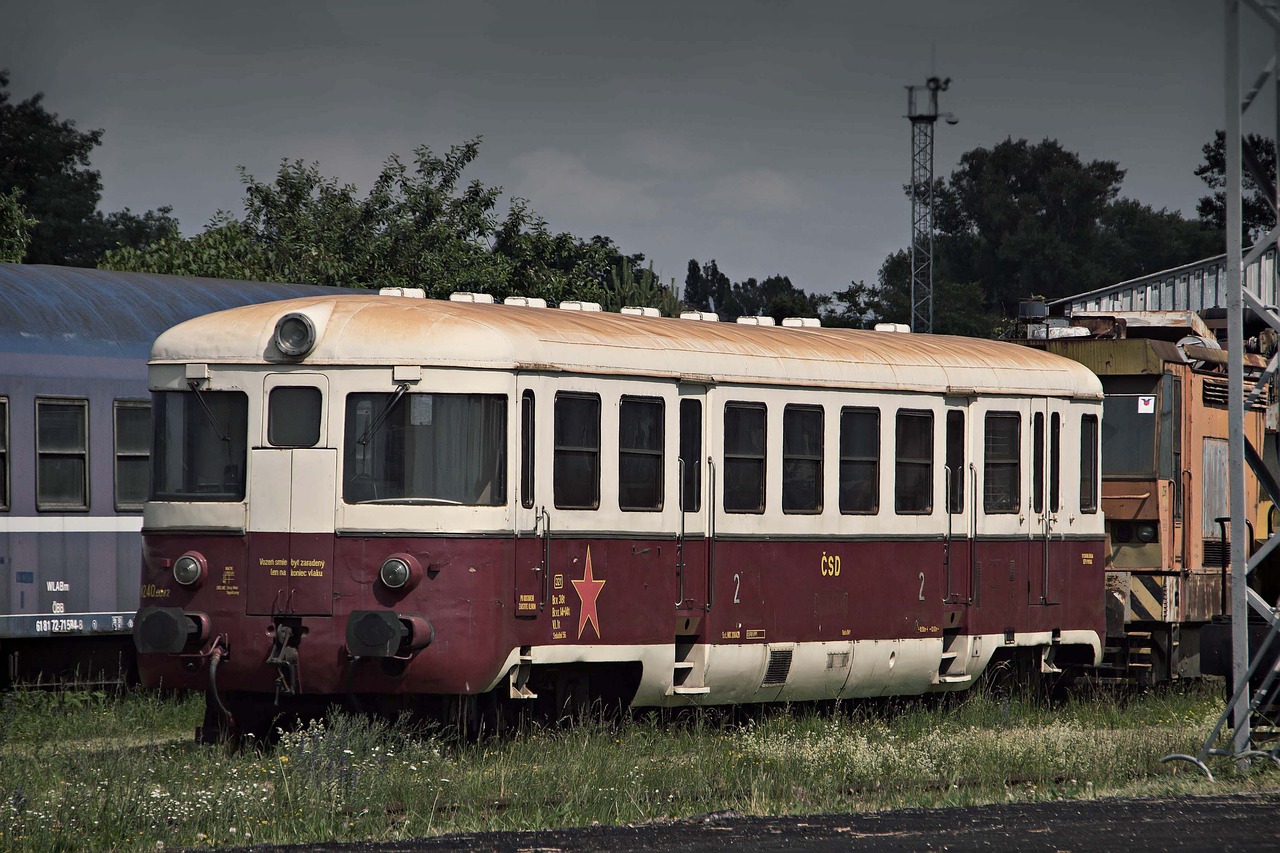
(922, 122)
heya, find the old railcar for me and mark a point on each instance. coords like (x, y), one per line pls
(1164, 482)
(75, 428)
(415, 502)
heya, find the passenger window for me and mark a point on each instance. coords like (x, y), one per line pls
(744, 457)
(1089, 463)
(62, 454)
(526, 449)
(1037, 463)
(133, 453)
(1001, 474)
(913, 481)
(576, 474)
(1055, 461)
(640, 451)
(293, 416)
(691, 455)
(955, 462)
(859, 461)
(802, 459)
(4, 453)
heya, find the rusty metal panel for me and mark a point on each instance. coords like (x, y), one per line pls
(1122, 357)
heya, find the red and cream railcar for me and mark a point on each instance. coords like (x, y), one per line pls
(363, 495)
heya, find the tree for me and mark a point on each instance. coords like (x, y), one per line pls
(15, 228)
(46, 160)
(641, 287)
(1258, 217)
(705, 287)
(417, 227)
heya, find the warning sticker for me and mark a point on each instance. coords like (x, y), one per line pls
(1146, 405)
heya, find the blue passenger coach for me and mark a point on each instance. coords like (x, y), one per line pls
(75, 433)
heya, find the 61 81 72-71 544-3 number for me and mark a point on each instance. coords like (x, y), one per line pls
(57, 626)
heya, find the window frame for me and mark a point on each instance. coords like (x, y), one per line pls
(6, 454)
(1014, 460)
(528, 424)
(660, 453)
(874, 411)
(271, 420)
(558, 449)
(116, 406)
(762, 458)
(820, 458)
(1089, 453)
(81, 403)
(899, 460)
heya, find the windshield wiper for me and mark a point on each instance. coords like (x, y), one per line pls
(363, 440)
(194, 385)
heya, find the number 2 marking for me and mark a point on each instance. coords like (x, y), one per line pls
(737, 585)
(922, 586)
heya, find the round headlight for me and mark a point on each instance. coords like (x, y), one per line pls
(188, 569)
(1147, 532)
(1122, 531)
(295, 335)
(395, 573)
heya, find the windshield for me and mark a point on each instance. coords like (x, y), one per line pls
(1129, 423)
(445, 449)
(200, 440)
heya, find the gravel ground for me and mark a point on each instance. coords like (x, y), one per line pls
(1224, 823)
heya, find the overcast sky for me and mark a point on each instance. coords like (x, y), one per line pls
(768, 135)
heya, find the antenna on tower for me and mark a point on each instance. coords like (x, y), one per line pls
(923, 117)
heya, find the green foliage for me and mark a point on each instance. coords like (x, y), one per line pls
(15, 227)
(46, 160)
(1257, 214)
(706, 288)
(628, 286)
(418, 226)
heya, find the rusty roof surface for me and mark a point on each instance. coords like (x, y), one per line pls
(365, 329)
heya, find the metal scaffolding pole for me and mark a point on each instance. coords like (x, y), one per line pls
(923, 119)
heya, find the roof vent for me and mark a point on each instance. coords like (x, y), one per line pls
(756, 321)
(526, 301)
(801, 322)
(574, 305)
(893, 327)
(406, 292)
(479, 298)
(639, 311)
(704, 316)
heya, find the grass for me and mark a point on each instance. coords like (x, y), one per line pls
(89, 771)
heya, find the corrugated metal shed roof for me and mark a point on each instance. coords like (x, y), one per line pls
(74, 311)
(392, 330)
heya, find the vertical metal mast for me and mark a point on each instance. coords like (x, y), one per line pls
(922, 122)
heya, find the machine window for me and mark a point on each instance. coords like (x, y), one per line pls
(859, 461)
(955, 462)
(691, 455)
(4, 453)
(1037, 463)
(913, 480)
(62, 454)
(293, 416)
(199, 445)
(527, 412)
(744, 457)
(1129, 428)
(1001, 467)
(1089, 463)
(802, 459)
(640, 450)
(576, 474)
(425, 449)
(133, 453)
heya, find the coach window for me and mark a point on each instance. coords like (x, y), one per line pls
(293, 416)
(913, 480)
(425, 449)
(575, 478)
(62, 454)
(955, 462)
(802, 459)
(640, 450)
(133, 453)
(4, 453)
(527, 412)
(744, 457)
(859, 461)
(1001, 467)
(1037, 463)
(691, 455)
(200, 441)
(1089, 463)
(1055, 462)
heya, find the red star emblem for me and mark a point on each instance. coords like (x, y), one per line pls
(588, 590)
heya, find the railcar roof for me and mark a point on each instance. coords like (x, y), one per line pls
(367, 330)
(75, 311)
